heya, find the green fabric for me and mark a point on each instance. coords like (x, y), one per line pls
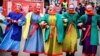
(72, 18)
(1, 34)
(59, 25)
(94, 29)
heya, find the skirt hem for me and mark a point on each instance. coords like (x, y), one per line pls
(33, 52)
(9, 51)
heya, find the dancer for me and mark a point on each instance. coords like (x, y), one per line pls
(12, 37)
(71, 31)
(33, 33)
(89, 23)
(54, 32)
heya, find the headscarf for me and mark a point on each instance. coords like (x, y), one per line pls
(71, 9)
(18, 8)
(37, 8)
(52, 10)
(89, 10)
(30, 8)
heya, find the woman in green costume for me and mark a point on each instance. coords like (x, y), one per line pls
(89, 23)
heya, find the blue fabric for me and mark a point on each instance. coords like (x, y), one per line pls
(34, 44)
(17, 28)
(1, 9)
(13, 32)
(9, 44)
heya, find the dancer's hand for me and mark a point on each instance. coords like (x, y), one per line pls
(80, 24)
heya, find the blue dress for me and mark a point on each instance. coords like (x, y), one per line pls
(13, 32)
(34, 44)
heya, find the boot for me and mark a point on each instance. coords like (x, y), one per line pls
(14, 54)
(67, 54)
(33, 54)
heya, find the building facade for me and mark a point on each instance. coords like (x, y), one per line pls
(9, 5)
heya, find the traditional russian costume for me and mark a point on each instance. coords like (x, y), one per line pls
(33, 34)
(54, 34)
(13, 32)
(89, 37)
(71, 32)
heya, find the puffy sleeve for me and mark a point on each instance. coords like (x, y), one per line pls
(44, 21)
(2, 18)
(81, 21)
(6, 18)
(21, 21)
(44, 18)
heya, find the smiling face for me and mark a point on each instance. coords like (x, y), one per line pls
(52, 10)
(37, 8)
(30, 8)
(89, 8)
(18, 8)
(71, 8)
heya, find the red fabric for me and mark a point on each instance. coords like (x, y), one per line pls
(9, 51)
(33, 52)
(33, 30)
(52, 11)
(54, 54)
(37, 8)
(89, 12)
(87, 32)
(71, 11)
(70, 27)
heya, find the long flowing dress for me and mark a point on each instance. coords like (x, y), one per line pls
(13, 32)
(70, 40)
(34, 44)
(89, 37)
(71, 33)
(52, 47)
(87, 47)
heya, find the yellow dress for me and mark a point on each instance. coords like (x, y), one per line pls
(52, 47)
(70, 40)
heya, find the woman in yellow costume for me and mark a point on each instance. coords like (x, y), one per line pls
(71, 31)
(54, 32)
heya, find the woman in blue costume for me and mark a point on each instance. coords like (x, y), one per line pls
(34, 41)
(12, 37)
(1, 21)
